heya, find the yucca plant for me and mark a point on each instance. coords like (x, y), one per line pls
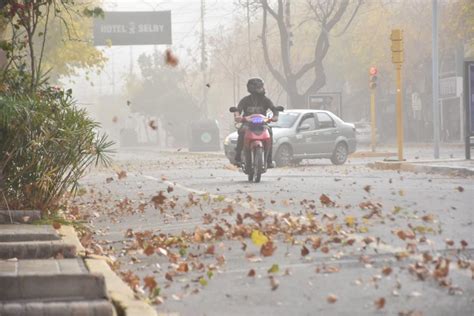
(46, 145)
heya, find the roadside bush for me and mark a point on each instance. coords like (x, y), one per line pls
(46, 145)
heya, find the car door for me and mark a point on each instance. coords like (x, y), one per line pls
(326, 133)
(304, 138)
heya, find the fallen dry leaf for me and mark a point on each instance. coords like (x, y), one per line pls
(326, 201)
(153, 125)
(460, 189)
(210, 250)
(258, 238)
(121, 174)
(150, 283)
(380, 303)
(56, 225)
(304, 251)
(268, 249)
(183, 267)
(331, 298)
(170, 58)
(274, 283)
(158, 199)
(149, 250)
(251, 273)
(387, 271)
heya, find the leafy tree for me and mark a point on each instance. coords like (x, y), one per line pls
(161, 93)
(30, 22)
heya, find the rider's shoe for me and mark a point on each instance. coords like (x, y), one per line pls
(237, 162)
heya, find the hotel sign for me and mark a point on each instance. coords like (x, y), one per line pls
(133, 28)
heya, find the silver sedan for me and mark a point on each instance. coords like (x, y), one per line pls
(306, 134)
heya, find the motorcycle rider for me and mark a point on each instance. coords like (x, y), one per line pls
(255, 103)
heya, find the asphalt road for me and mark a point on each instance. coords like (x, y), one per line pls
(349, 240)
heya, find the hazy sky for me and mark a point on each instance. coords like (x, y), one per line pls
(186, 32)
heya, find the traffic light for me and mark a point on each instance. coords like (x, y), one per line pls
(397, 46)
(373, 81)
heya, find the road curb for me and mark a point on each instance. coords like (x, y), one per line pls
(424, 168)
(121, 295)
(69, 236)
(371, 154)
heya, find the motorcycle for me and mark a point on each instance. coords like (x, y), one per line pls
(257, 144)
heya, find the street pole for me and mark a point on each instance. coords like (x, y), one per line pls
(248, 38)
(397, 59)
(203, 59)
(288, 43)
(399, 112)
(372, 119)
(436, 120)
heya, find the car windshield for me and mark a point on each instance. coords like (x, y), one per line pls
(285, 120)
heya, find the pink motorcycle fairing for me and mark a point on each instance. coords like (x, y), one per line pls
(254, 138)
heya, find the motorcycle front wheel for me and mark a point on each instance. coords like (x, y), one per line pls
(249, 166)
(258, 163)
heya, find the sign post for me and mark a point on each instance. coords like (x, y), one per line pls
(397, 59)
(469, 105)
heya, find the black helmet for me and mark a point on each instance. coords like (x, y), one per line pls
(255, 85)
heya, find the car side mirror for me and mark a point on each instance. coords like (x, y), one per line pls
(280, 108)
(233, 109)
(304, 127)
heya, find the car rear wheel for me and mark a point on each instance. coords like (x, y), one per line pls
(340, 154)
(284, 156)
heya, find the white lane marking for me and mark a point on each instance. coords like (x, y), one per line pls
(386, 248)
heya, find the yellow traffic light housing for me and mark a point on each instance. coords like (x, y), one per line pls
(373, 82)
(397, 46)
(397, 35)
(397, 57)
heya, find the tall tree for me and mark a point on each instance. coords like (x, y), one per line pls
(326, 14)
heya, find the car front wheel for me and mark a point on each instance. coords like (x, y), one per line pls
(340, 154)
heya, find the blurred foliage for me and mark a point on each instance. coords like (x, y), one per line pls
(161, 92)
(46, 144)
(50, 34)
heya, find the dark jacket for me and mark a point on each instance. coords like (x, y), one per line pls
(256, 104)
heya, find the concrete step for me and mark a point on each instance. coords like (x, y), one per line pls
(25, 232)
(37, 249)
(64, 279)
(34, 308)
(14, 216)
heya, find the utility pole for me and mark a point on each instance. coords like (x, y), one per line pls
(204, 59)
(436, 120)
(131, 60)
(289, 42)
(248, 36)
(372, 86)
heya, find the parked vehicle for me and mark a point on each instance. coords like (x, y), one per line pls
(364, 132)
(306, 134)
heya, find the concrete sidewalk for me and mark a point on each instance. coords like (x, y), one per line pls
(451, 167)
(42, 272)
